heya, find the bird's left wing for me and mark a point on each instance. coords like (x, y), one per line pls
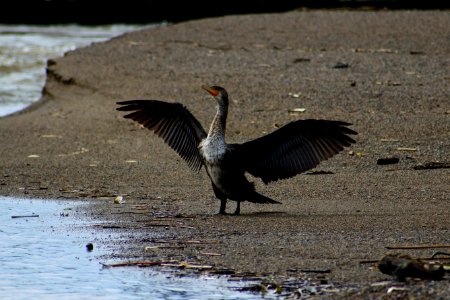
(294, 148)
(172, 122)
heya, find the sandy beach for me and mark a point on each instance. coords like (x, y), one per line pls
(386, 72)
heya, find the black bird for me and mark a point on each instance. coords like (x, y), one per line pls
(290, 150)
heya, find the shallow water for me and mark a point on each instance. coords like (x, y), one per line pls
(25, 49)
(45, 257)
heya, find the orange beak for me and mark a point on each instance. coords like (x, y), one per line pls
(213, 92)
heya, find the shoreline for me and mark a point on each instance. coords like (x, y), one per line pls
(73, 144)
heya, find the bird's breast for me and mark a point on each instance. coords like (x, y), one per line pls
(213, 150)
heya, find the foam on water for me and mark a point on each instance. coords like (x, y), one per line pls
(25, 49)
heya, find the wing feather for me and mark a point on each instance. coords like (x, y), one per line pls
(294, 148)
(173, 123)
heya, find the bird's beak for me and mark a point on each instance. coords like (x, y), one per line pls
(212, 91)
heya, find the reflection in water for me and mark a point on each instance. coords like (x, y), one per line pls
(45, 257)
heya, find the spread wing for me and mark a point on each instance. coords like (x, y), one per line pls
(294, 148)
(172, 122)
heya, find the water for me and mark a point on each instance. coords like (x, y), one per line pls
(45, 257)
(24, 51)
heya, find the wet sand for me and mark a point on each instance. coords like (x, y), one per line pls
(395, 90)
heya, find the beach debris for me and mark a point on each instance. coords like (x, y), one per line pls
(63, 214)
(301, 59)
(263, 288)
(186, 265)
(388, 82)
(33, 156)
(403, 266)
(415, 247)
(319, 271)
(381, 283)
(386, 50)
(297, 110)
(224, 271)
(131, 161)
(388, 160)
(80, 151)
(119, 200)
(432, 165)
(292, 288)
(416, 52)
(406, 149)
(294, 95)
(51, 136)
(340, 65)
(396, 289)
(319, 172)
(110, 226)
(381, 50)
(210, 253)
(389, 140)
(153, 248)
(254, 288)
(25, 216)
(197, 242)
(440, 253)
(89, 247)
(137, 263)
(357, 154)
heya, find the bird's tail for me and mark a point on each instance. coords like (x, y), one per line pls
(258, 198)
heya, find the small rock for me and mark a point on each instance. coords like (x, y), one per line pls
(119, 200)
(388, 161)
(340, 65)
(89, 247)
(301, 59)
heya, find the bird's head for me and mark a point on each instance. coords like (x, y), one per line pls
(219, 93)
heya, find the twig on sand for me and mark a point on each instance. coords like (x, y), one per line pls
(432, 165)
(167, 263)
(137, 263)
(25, 216)
(440, 253)
(411, 247)
(199, 242)
(326, 271)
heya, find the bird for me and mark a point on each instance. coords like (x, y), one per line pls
(286, 152)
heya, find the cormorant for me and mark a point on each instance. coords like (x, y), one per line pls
(290, 150)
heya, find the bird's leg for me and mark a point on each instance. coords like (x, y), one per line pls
(238, 208)
(223, 199)
(223, 204)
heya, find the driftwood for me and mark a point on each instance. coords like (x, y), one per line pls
(136, 263)
(433, 165)
(403, 266)
(415, 247)
(169, 263)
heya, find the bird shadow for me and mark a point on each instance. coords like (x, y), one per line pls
(263, 214)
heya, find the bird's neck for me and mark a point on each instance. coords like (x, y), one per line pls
(218, 125)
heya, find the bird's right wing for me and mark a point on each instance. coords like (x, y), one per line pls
(172, 122)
